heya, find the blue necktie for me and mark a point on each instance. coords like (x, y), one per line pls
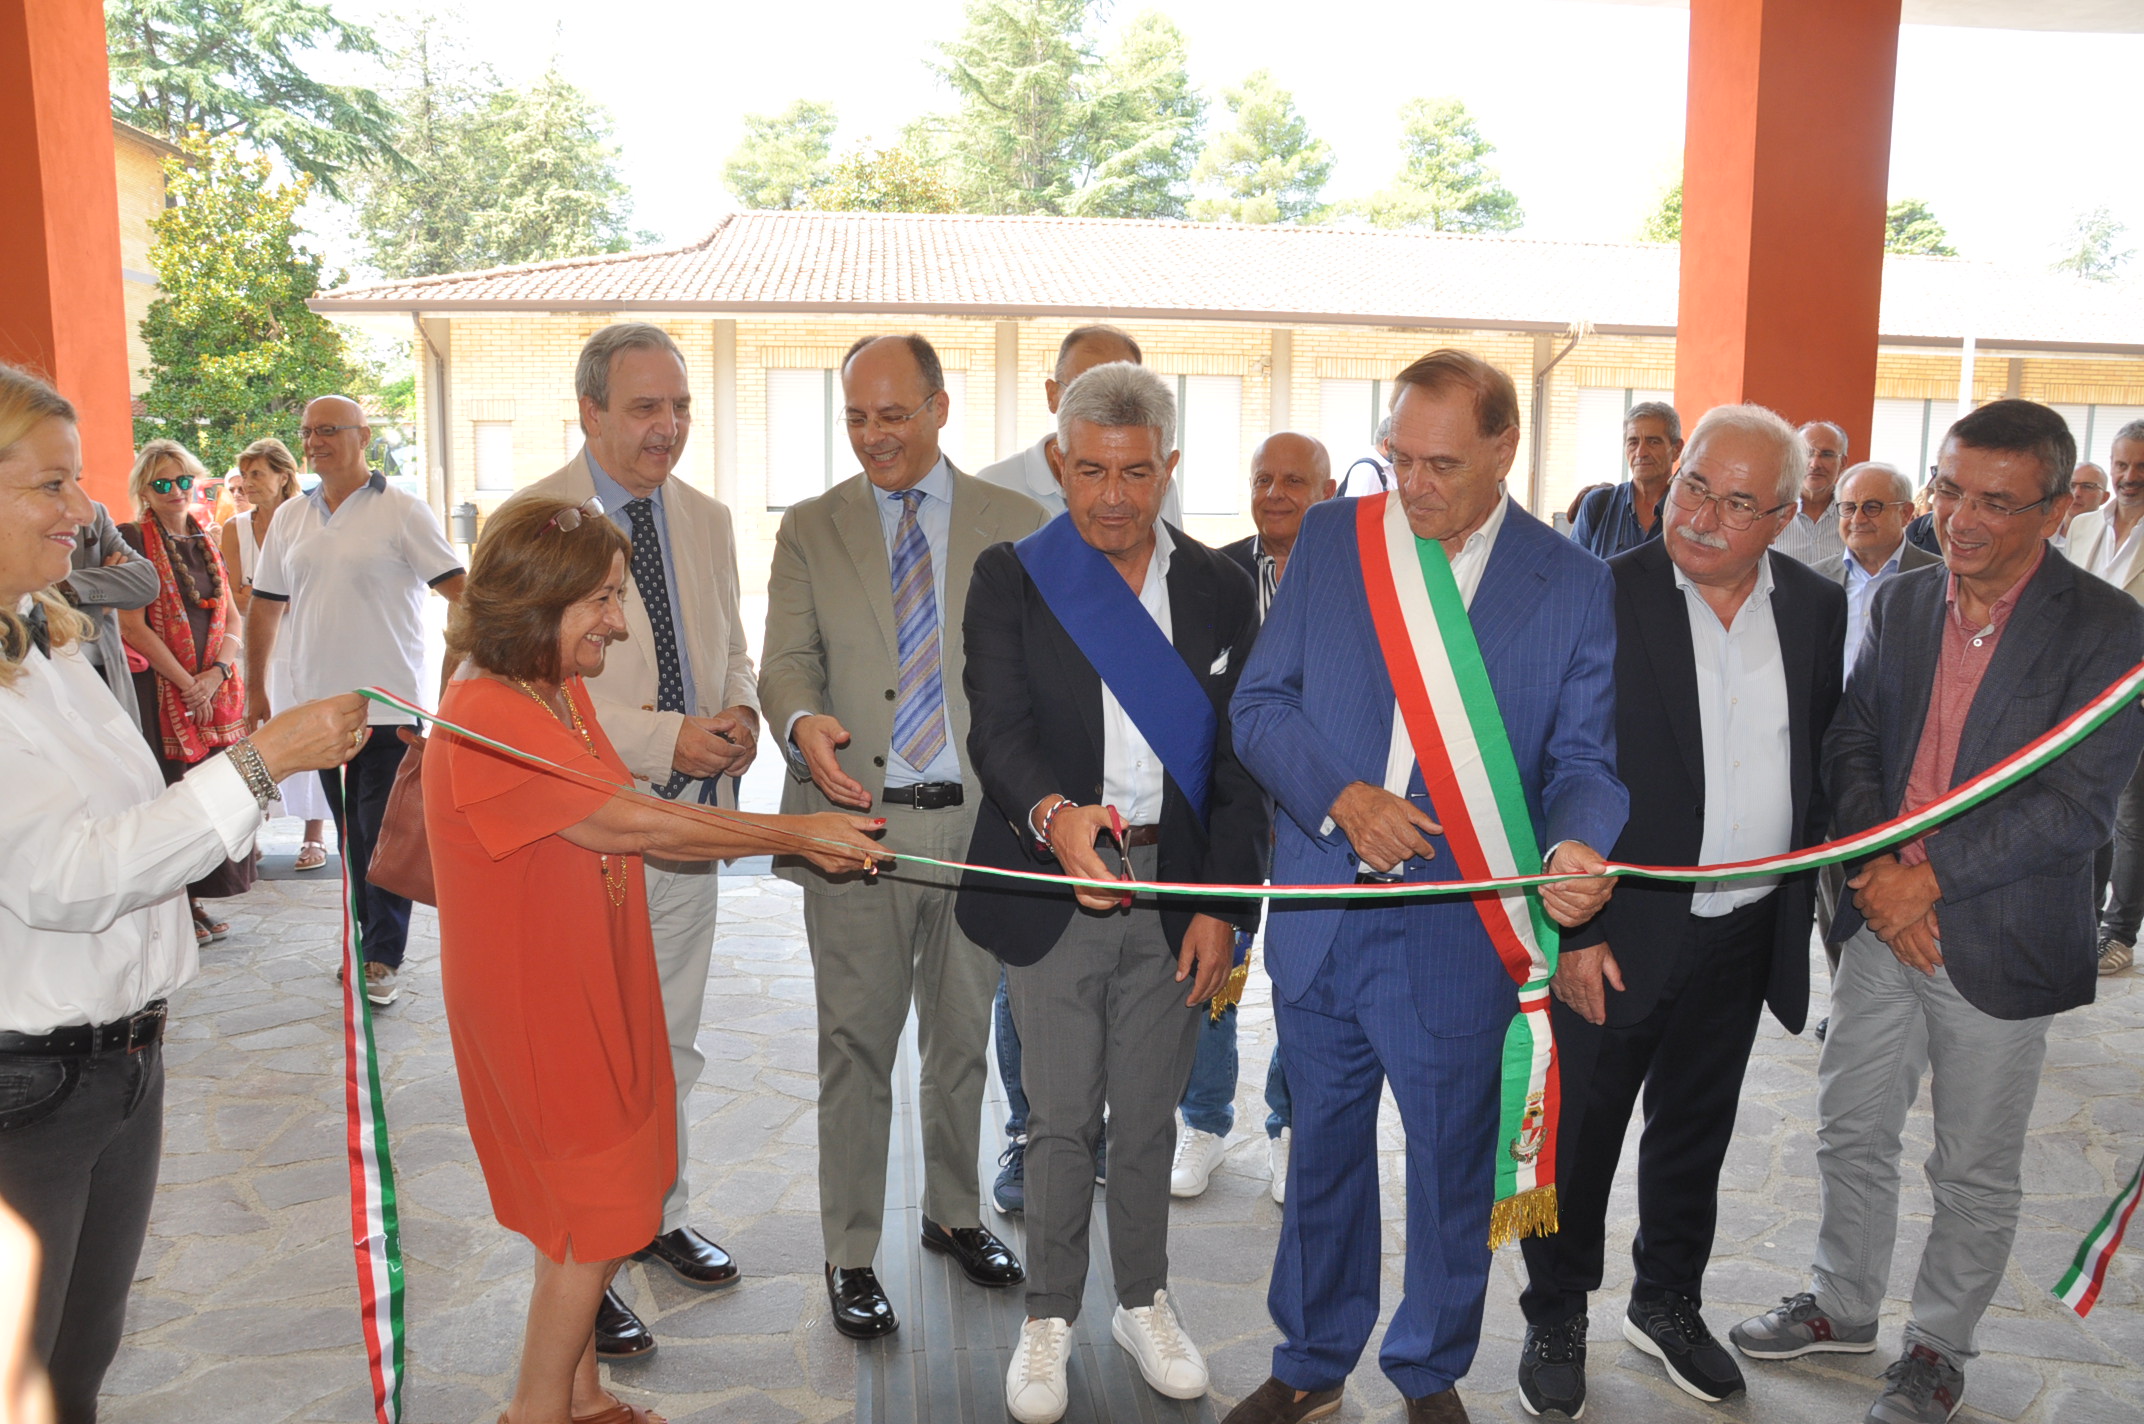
(919, 714)
(654, 588)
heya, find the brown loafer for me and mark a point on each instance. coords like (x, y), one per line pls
(1274, 1402)
(1442, 1407)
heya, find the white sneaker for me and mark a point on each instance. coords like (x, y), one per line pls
(381, 984)
(1167, 1358)
(1197, 1154)
(1277, 1156)
(1035, 1384)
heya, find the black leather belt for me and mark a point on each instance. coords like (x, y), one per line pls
(1372, 877)
(1141, 836)
(925, 795)
(133, 1033)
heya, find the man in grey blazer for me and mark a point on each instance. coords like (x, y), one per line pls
(108, 576)
(1961, 945)
(677, 699)
(862, 685)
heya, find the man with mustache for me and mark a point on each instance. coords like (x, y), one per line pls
(1812, 535)
(1623, 516)
(1727, 673)
(677, 699)
(2103, 540)
(862, 683)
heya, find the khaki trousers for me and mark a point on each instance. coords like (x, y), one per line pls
(681, 912)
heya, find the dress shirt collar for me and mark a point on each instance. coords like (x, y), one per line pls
(1760, 593)
(615, 496)
(1857, 574)
(1999, 611)
(1041, 480)
(938, 484)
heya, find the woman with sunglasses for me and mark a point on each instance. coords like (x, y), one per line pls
(193, 704)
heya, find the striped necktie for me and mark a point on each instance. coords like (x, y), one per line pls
(919, 713)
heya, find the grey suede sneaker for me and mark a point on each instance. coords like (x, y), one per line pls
(1920, 1387)
(1796, 1327)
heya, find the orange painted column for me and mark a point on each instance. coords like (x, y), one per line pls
(62, 304)
(1785, 161)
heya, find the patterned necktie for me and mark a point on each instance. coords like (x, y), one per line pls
(654, 587)
(919, 714)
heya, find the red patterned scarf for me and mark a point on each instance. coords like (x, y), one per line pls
(185, 740)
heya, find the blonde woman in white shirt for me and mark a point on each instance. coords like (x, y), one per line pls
(93, 924)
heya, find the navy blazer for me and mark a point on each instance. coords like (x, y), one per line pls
(1660, 751)
(1035, 726)
(1314, 713)
(2017, 916)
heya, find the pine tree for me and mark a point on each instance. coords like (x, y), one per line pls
(1019, 69)
(1665, 224)
(1267, 166)
(782, 158)
(2092, 255)
(1145, 125)
(1910, 227)
(1444, 183)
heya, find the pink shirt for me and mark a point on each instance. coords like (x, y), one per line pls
(1960, 666)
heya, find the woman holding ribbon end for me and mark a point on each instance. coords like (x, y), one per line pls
(98, 851)
(546, 959)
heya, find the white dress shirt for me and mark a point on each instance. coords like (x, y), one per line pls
(1131, 773)
(2107, 553)
(1742, 719)
(98, 851)
(1467, 566)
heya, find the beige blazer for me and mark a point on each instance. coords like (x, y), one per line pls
(2128, 573)
(703, 551)
(831, 641)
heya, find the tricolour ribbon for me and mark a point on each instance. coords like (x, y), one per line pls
(375, 1228)
(2080, 1284)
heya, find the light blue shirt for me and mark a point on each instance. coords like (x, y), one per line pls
(1742, 719)
(615, 497)
(934, 515)
(1860, 588)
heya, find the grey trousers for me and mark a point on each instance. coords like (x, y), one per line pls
(875, 948)
(2120, 867)
(80, 1139)
(681, 912)
(1102, 1019)
(1890, 1025)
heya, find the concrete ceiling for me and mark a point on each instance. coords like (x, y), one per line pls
(2088, 16)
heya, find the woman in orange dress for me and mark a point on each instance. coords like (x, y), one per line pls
(546, 961)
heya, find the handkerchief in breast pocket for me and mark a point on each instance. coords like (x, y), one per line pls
(1220, 664)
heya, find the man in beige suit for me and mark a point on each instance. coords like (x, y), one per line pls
(677, 699)
(862, 686)
(2109, 541)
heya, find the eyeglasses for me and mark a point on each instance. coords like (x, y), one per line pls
(184, 482)
(1736, 511)
(1873, 508)
(568, 520)
(857, 419)
(323, 432)
(1950, 496)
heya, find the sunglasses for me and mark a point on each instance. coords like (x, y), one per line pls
(184, 482)
(568, 520)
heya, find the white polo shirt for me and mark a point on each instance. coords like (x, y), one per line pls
(355, 582)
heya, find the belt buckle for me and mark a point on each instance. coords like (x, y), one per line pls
(933, 796)
(152, 1017)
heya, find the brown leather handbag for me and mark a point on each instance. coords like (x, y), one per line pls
(402, 855)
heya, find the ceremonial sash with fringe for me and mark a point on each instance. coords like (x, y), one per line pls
(1473, 781)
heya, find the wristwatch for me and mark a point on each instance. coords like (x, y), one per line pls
(223, 667)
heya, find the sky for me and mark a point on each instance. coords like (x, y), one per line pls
(2008, 135)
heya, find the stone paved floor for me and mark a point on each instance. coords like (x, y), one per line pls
(244, 1310)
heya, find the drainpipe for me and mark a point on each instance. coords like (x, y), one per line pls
(1540, 415)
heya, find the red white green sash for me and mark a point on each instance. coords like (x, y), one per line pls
(375, 1219)
(2080, 1285)
(1473, 781)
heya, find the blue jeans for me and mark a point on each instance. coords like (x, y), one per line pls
(1009, 1062)
(1209, 1101)
(1281, 1106)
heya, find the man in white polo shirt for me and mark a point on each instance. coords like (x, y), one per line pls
(347, 567)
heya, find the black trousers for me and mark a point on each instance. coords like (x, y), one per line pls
(357, 794)
(1688, 1056)
(80, 1138)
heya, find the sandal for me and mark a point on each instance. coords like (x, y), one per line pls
(206, 929)
(621, 1413)
(311, 856)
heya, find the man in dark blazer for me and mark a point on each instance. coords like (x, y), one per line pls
(1727, 673)
(1412, 994)
(1960, 945)
(1101, 654)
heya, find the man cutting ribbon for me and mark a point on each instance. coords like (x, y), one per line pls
(1432, 698)
(1101, 654)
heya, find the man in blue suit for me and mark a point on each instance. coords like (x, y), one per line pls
(1413, 991)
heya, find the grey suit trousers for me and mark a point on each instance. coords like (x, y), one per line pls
(1889, 1026)
(1102, 1018)
(875, 948)
(681, 915)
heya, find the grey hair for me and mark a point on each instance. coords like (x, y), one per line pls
(1756, 420)
(1656, 410)
(591, 374)
(1117, 395)
(2134, 430)
(1383, 432)
(1845, 444)
(1901, 487)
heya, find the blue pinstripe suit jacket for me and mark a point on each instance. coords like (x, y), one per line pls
(1313, 712)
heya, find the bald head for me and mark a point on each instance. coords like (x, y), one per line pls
(2088, 486)
(334, 433)
(1082, 351)
(1289, 473)
(1827, 456)
(894, 404)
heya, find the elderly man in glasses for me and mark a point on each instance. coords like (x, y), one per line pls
(1963, 944)
(678, 700)
(862, 686)
(352, 602)
(1727, 673)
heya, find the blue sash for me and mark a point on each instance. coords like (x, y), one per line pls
(1122, 642)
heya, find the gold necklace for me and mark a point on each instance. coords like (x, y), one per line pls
(614, 881)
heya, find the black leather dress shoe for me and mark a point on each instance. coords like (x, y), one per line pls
(692, 1258)
(619, 1333)
(861, 1310)
(982, 1258)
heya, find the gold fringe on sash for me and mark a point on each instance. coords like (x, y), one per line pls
(1230, 993)
(1530, 1213)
